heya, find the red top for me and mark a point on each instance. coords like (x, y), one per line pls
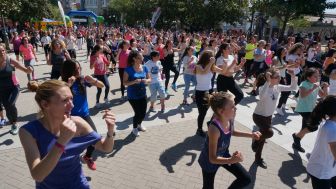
(100, 63)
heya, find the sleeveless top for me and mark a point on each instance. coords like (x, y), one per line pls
(57, 60)
(223, 144)
(169, 60)
(203, 81)
(68, 172)
(7, 76)
(81, 106)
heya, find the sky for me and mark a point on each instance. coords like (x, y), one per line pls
(330, 11)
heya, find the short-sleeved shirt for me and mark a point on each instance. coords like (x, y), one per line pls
(136, 91)
(123, 56)
(189, 68)
(293, 58)
(261, 52)
(322, 163)
(154, 69)
(307, 103)
(100, 64)
(249, 51)
(27, 52)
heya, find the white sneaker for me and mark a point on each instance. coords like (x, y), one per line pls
(280, 112)
(106, 101)
(135, 132)
(141, 128)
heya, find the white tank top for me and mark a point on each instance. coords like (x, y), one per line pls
(332, 87)
(203, 81)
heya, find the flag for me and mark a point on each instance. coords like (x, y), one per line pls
(62, 13)
(155, 17)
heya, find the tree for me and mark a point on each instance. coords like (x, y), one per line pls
(25, 10)
(288, 10)
(190, 13)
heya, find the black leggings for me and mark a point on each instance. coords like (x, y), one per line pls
(166, 71)
(202, 107)
(8, 98)
(139, 107)
(90, 149)
(248, 67)
(284, 95)
(225, 83)
(104, 79)
(89, 50)
(265, 128)
(323, 183)
(121, 76)
(243, 178)
(55, 74)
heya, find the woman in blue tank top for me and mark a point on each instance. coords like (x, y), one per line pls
(216, 148)
(71, 73)
(53, 143)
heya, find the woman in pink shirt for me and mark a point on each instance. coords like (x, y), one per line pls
(122, 57)
(28, 53)
(99, 62)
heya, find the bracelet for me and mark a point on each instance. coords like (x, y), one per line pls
(60, 146)
(109, 136)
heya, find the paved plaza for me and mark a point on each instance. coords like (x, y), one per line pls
(166, 155)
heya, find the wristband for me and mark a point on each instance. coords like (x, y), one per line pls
(60, 146)
(109, 136)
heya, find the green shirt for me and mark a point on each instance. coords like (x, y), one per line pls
(307, 103)
(249, 51)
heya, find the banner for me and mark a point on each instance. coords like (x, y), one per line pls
(155, 17)
(62, 13)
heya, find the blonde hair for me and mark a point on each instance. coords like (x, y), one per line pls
(54, 41)
(218, 100)
(45, 91)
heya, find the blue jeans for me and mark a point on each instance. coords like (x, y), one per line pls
(154, 89)
(188, 79)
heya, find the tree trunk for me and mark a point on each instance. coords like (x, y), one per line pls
(283, 28)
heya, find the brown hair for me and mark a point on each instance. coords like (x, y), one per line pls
(204, 60)
(45, 91)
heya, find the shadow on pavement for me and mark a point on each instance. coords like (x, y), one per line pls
(248, 100)
(172, 155)
(118, 145)
(7, 142)
(253, 172)
(291, 169)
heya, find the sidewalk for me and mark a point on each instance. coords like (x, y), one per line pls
(166, 157)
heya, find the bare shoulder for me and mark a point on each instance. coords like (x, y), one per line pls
(83, 127)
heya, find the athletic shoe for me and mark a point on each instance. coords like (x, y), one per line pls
(297, 144)
(200, 132)
(280, 112)
(173, 86)
(261, 163)
(151, 109)
(98, 105)
(141, 128)
(254, 93)
(106, 101)
(2, 122)
(89, 162)
(135, 132)
(14, 130)
(162, 111)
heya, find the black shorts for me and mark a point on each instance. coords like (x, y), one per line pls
(17, 52)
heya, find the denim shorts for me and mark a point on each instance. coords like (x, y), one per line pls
(154, 89)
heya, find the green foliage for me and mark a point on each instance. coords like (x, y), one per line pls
(190, 13)
(299, 23)
(25, 10)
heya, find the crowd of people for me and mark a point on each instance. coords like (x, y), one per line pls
(212, 65)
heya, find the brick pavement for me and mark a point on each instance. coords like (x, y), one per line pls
(165, 156)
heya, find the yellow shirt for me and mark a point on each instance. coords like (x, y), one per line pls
(250, 51)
